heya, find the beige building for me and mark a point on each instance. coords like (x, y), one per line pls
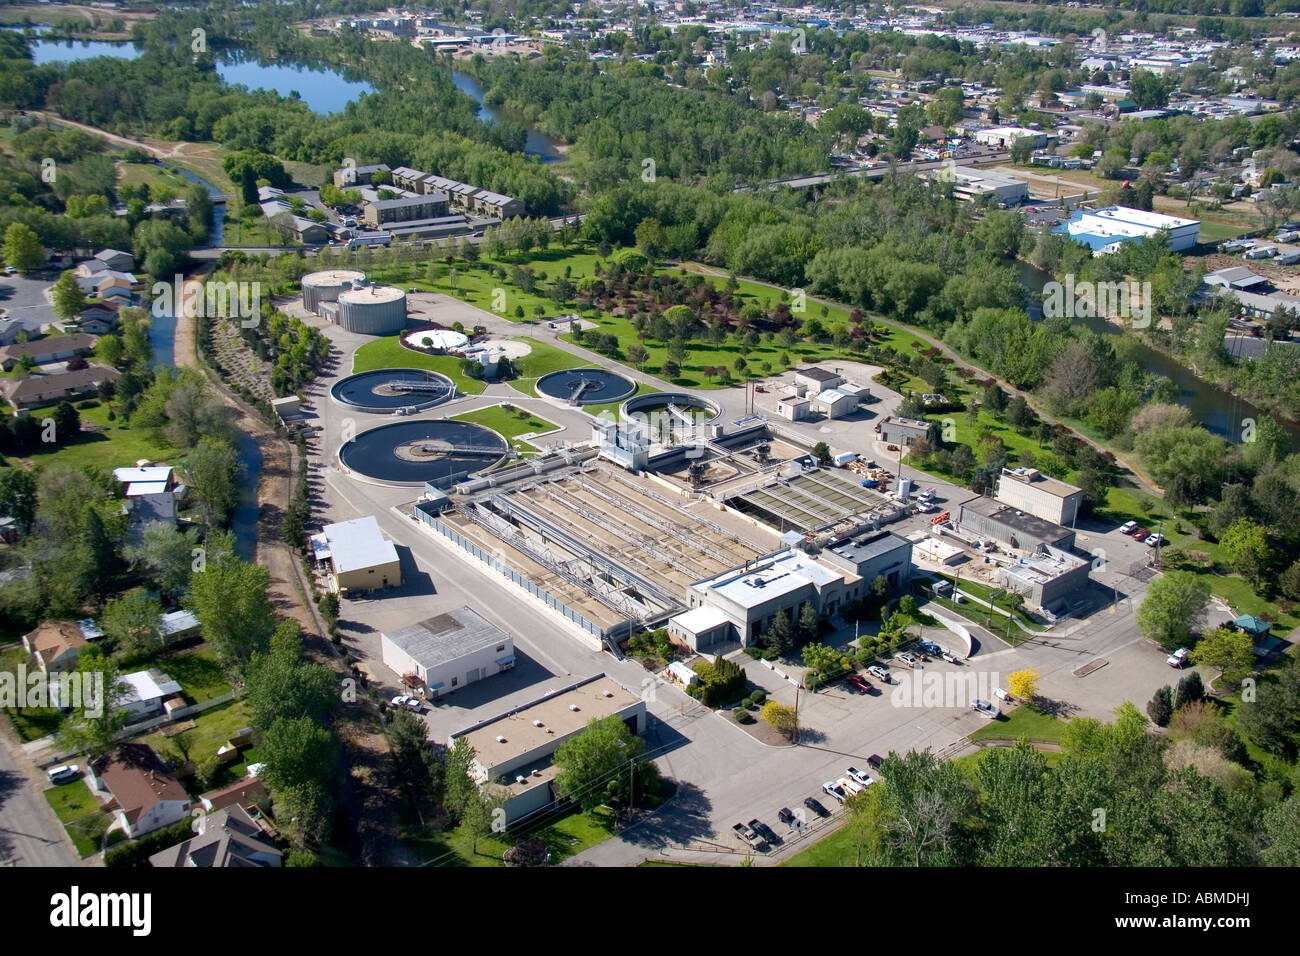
(359, 557)
(1029, 490)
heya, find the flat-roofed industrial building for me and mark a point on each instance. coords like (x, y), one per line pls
(513, 751)
(442, 654)
(360, 558)
(1011, 527)
(1028, 489)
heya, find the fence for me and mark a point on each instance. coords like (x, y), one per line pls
(492, 561)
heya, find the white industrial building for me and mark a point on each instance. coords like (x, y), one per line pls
(815, 380)
(740, 604)
(444, 653)
(358, 555)
(974, 184)
(834, 403)
(1106, 230)
(793, 408)
(513, 751)
(1028, 489)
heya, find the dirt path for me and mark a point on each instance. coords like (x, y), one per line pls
(372, 795)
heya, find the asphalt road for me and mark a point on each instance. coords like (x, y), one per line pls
(30, 833)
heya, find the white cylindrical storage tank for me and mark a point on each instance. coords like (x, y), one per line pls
(904, 489)
(373, 310)
(318, 287)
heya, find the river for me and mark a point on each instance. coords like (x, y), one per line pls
(1217, 409)
(537, 143)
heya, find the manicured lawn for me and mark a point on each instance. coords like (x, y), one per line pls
(508, 423)
(390, 353)
(1025, 721)
(117, 444)
(544, 359)
(29, 723)
(80, 815)
(212, 729)
(836, 849)
(984, 592)
(565, 837)
(198, 674)
(612, 407)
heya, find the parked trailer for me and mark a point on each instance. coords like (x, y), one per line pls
(1288, 258)
(843, 458)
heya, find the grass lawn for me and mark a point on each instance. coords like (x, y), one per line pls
(544, 359)
(157, 177)
(115, 445)
(197, 672)
(508, 424)
(595, 411)
(212, 729)
(1025, 721)
(390, 353)
(80, 815)
(984, 592)
(565, 837)
(29, 723)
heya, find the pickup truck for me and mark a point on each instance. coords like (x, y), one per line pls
(849, 786)
(747, 834)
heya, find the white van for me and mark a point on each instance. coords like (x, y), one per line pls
(64, 774)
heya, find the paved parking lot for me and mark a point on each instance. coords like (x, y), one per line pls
(24, 298)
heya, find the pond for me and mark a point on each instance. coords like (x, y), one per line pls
(322, 89)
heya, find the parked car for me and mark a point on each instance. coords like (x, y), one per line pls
(1128, 527)
(747, 834)
(874, 761)
(950, 657)
(765, 832)
(924, 507)
(64, 774)
(1141, 534)
(1154, 540)
(878, 672)
(862, 779)
(1001, 694)
(786, 816)
(815, 805)
(410, 703)
(985, 709)
(832, 789)
(856, 680)
(908, 659)
(1178, 658)
(849, 786)
(930, 647)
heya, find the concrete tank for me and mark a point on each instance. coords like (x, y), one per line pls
(318, 287)
(373, 310)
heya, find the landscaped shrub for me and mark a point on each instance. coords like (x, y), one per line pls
(721, 682)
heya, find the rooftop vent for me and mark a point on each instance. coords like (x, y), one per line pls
(606, 693)
(500, 739)
(521, 779)
(538, 723)
(574, 707)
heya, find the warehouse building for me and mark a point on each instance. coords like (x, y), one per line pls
(1105, 230)
(513, 751)
(973, 185)
(1028, 489)
(902, 431)
(441, 654)
(358, 555)
(1012, 528)
(833, 403)
(1047, 576)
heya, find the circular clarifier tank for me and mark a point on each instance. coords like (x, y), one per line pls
(413, 452)
(681, 406)
(386, 390)
(585, 386)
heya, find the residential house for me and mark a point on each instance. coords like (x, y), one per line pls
(248, 792)
(349, 176)
(98, 318)
(146, 797)
(116, 259)
(38, 390)
(146, 693)
(57, 348)
(229, 837)
(55, 645)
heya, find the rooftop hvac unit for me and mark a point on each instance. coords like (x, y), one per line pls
(606, 693)
(538, 723)
(521, 779)
(574, 707)
(537, 773)
(500, 739)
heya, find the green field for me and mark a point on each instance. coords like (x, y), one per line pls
(80, 815)
(212, 729)
(1025, 721)
(198, 674)
(509, 424)
(565, 837)
(115, 444)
